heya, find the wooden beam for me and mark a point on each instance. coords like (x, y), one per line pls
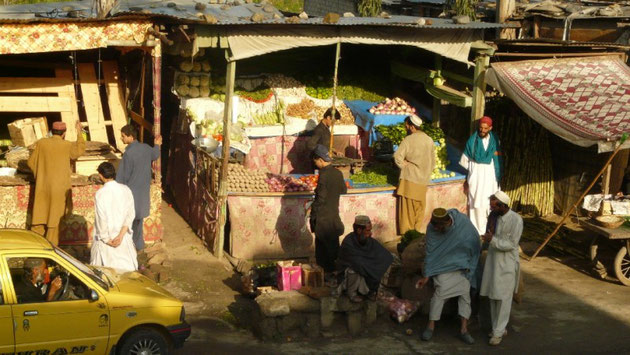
(606, 180)
(118, 114)
(34, 104)
(479, 89)
(65, 77)
(92, 102)
(32, 85)
(141, 121)
(559, 55)
(437, 102)
(223, 174)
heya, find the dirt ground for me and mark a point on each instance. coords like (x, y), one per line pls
(565, 309)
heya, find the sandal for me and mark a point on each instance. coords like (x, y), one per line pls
(427, 334)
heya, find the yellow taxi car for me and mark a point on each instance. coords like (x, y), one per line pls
(51, 303)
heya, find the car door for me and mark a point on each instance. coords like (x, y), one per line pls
(7, 341)
(75, 324)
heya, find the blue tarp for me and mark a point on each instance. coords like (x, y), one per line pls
(364, 119)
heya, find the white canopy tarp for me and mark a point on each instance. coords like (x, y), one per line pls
(249, 42)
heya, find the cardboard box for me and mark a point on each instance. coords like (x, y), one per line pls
(27, 131)
(87, 165)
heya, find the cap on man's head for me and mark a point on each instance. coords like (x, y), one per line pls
(502, 196)
(59, 126)
(321, 151)
(416, 120)
(439, 215)
(487, 120)
(362, 220)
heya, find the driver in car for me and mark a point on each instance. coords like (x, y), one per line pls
(34, 287)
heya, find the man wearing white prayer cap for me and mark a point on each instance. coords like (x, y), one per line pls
(501, 271)
(416, 159)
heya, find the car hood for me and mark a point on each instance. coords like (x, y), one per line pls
(134, 285)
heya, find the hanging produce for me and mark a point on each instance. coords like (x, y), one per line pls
(395, 106)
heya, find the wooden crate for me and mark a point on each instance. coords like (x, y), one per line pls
(27, 131)
(87, 165)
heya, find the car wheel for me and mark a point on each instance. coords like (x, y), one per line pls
(144, 342)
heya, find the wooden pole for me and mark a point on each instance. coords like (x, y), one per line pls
(606, 180)
(437, 103)
(225, 156)
(157, 104)
(334, 99)
(505, 9)
(479, 89)
(566, 215)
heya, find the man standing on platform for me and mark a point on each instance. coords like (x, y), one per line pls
(501, 271)
(452, 255)
(363, 260)
(135, 172)
(321, 132)
(50, 164)
(325, 221)
(416, 159)
(482, 160)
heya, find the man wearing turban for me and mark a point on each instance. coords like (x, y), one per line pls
(482, 160)
(50, 164)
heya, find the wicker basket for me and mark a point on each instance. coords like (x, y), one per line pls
(611, 222)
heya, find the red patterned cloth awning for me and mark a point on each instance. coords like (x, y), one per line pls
(584, 100)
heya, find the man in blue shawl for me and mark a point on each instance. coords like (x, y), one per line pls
(363, 260)
(482, 159)
(452, 253)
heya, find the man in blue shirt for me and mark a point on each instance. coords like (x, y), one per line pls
(135, 171)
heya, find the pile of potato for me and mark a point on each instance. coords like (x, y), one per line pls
(241, 179)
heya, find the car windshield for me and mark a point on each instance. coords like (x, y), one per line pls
(91, 273)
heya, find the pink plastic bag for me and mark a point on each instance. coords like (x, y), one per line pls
(400, 309)
(289, 275)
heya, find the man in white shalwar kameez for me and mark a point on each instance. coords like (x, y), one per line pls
(112, 244)
(482, 160)
(501, 270)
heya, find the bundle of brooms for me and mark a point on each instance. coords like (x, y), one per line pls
(528, 171)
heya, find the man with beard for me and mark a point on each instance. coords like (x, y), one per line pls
(363, 260)
(416, 159)
(482, 160)
(321, 132)
(501, 271)
(33, 287)
(452, 254)
(325, 221)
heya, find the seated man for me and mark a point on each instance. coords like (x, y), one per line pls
(33, 287)
(453, 246)
(363, 260)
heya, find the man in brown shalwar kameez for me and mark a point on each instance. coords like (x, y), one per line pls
(50, 164)
(416, 159)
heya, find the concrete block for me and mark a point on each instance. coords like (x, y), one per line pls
(267, 328)
(370, 312)
(355, 324)
(289, 322)
(312, 326)
(301, 303)
(271, 306)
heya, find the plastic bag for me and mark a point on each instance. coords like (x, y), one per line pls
(400, 309)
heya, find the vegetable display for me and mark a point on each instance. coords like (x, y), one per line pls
(284, 183)
(395, 133)
(346, 115)
(241, 179)
(395, 106)
(192, 85)
(270, 117)
(377, 174)
(301, 109)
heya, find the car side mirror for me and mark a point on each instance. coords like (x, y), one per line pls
(93, 296)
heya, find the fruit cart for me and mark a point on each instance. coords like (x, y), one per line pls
(619, 235)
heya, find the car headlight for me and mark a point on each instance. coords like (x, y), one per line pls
(182, 315)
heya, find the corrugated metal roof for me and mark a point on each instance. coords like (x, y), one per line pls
(238, 13)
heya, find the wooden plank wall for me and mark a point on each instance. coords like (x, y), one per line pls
(115, 100)
(92, 102)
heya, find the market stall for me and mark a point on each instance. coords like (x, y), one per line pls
(237, 137)
(63, 70)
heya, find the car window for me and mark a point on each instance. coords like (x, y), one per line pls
(82, 267)
(40, 279)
